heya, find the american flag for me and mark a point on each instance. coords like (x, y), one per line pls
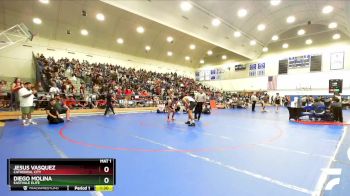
(272, 83)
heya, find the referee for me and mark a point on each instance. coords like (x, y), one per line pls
(109, 105)
(200, 98)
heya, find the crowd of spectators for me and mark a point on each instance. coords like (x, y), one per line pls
(61, 76)
(97, 79)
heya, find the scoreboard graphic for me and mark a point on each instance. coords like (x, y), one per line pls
(61, 174)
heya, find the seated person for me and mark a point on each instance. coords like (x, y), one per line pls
(161, 108)
(71, 102)
(206, 109)
(327, 102)
(52, 114)
(319, 106)
(61, 107)
(336, 109)
(83, 103)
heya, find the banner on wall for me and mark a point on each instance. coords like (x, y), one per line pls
(240, 67)
(303, 61)
(257, 69)
(197, 75)
(337, 60)
(261, 69)
(252, 70)
(211, 74)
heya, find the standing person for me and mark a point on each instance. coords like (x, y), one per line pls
(254, 99)
(200, 98)
(15, 87)
(336, 109)
(109, 105)
(263, 102)
(277, 102)
(189, 103)
(52, 114)
(171, 107)
(26, 98)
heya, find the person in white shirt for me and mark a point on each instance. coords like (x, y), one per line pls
(254, 99)
(54, 90)
(26, 98)
(200, 98)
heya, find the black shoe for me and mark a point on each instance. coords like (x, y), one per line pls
(187, 123)
(192, 125)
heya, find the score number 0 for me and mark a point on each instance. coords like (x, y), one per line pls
(106, 170)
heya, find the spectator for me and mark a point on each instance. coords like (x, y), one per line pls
(319, 106)
(16, 85)
(54, 89)
(39, 88)
(336, 109)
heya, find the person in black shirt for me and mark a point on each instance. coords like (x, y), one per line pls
(336, 109)
(109, 105)
(52, 114)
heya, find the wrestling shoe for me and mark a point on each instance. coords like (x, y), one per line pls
(188, 122)
(192, 125)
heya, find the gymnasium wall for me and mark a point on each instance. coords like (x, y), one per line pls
(16, 61)
(295, 80)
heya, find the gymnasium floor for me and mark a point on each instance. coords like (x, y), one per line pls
(230, 152)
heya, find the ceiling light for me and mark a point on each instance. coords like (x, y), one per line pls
(265, 49)
(140, 29)
(215, 22)
(147, 48)
(223, 57)
(170, 39)
(275, 38)
(301, 32)
(44, 1)
(237, 34)
(261, 27)
(275, 2)
(290, 19)
(186, 6)
(242, 12)
(192, 46)
(100, 17)
(252, 42)
(308, 41)
(210, 52)
(187, 58)
(201, 61)
(169, 53)
(332, 25)
(285, 45)
(336, 36)
(327, 9)
(84, 32)
(120, 41)
(37, 20)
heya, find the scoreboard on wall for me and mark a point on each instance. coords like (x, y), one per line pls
(335, 86)
(61, 174)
